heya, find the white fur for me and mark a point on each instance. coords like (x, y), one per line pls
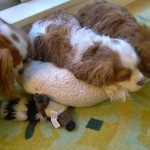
(3, 105)
(21, 110)
(130, 60)
(39, 27)
(46, 78)
(21, 45)
(38, 116)
(20, 113)
(131, 84)
(54, 106)
(126, 52)
(82, 38)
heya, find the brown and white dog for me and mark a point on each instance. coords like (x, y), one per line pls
(117, 22)
(14, 45)
(95, 59)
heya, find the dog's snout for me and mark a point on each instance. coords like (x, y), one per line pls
(141, 82)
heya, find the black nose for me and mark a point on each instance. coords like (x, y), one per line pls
(141, 82)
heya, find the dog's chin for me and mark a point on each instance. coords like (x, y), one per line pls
(120, 92)
(134, 89)
(116, 92)
(130, 87)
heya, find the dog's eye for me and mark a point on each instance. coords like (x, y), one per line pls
(123, 78)
(123, 75)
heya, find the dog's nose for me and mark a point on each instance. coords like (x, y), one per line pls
(141, 82)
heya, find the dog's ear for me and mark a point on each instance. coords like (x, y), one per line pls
(6, 73)
(96, 67)
(93, 72)
(39, 49)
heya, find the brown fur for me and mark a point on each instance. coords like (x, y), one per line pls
(115, 21)
(41, 102)
(99, 65)
(68, 18)
(54, 46)
(64, 118)
(14, 36)
(9, 58)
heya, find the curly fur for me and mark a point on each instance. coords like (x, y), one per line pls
(117, 22)
(14, 45)
(93, 58)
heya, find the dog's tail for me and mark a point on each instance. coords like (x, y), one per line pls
(18, 109)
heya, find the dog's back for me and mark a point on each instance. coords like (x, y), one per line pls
(117, 22)
(106, 18)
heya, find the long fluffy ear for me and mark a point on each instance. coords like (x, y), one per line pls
(93, 72)
(6, 73)
(116, 92)
(96, 67)
(39, 50)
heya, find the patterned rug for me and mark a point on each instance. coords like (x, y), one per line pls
(108, 125)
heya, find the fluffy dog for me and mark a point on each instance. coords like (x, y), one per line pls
(14, 45)
(96, 59)
(115, 21)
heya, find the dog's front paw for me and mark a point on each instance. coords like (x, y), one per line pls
(115, 92)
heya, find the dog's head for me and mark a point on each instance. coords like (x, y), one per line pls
(14, 45)
(114, 62)
(120, 69)
(115, 21)
(127, 73)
